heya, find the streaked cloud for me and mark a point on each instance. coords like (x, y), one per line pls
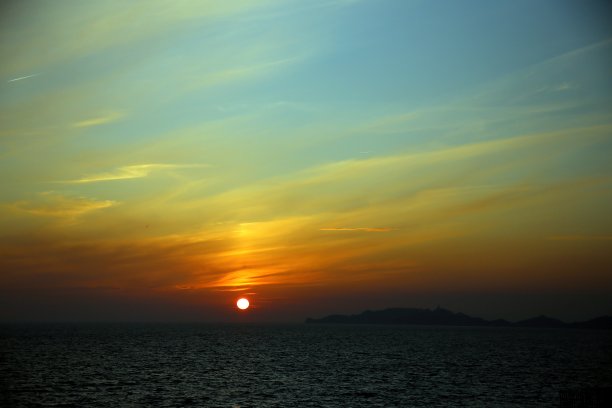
(105, 25)
(52, 204)
(133, 171)
(22, 78)
(247, 278)
(364, 229)
(98, 120)
(580, 238)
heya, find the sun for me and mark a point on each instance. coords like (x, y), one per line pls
(242, 303)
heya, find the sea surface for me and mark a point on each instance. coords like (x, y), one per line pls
(203, 365)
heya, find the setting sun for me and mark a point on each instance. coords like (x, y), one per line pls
(242, 303)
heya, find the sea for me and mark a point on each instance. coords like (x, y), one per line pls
(296, 365)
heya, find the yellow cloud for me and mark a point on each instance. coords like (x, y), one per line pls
(580, 238)
(366, 229)
(470, 173)
(132, 172)
(100, 120)
(243, 72)
(50, 204)
(248, 277)
(272, 227)
(101, 26)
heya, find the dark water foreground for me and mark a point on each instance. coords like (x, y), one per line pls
(117, 365)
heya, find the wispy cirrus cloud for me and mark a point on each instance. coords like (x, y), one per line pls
(132, 172)
(244, 72)
(52, 204)
(103, 26)
(21, 78)
(98, 120)
(362, 229)
(580, 238)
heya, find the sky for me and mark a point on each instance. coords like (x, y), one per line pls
(160, 159)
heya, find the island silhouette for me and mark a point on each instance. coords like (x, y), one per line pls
(444, 317)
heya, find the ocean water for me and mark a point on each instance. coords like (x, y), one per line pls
(200, 365)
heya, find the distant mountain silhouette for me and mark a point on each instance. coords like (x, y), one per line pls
(540, 321)
(603, 322)
(445, 317)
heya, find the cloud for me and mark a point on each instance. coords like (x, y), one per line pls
(480, 176)
(546, 83)
(249, 277)
(364, 229)
(430, 198)
(51, 204)
(243, 72)
(580, 238)
(22, 78)
(43, 260)
(99, 120)
(101, 26)
(132, 172)
(564, 86)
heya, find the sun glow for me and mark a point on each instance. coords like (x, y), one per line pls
(242, 303)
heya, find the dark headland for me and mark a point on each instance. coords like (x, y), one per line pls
(445, 317)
